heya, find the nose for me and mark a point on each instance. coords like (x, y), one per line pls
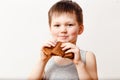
(63, 29)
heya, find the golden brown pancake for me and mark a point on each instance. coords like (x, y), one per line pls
(57, 51)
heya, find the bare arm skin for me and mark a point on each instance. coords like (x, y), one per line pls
(38, 72)
(88, 71)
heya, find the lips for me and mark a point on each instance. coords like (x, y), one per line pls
(64, 37)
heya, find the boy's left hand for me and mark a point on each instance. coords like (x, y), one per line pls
(70, 47)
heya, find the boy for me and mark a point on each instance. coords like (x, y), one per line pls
(66, 23)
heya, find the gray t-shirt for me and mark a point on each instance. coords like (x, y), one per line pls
(54, 71)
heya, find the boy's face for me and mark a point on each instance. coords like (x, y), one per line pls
(65, 28)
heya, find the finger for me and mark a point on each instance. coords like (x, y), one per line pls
(67, 46)
(47, 45)
(64, 44)
(50, 43)
(69, 51)
(69, 55)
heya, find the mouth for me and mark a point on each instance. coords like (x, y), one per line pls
(63, 37)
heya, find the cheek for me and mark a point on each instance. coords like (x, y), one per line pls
(54, 32)
(74, 33)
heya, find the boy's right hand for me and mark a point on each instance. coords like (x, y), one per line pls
(43, 56)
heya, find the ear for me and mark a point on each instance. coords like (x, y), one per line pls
(81, 29)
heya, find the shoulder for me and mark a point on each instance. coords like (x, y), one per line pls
(90, 59)
(90, 56)
(91, 64)
(87, 56)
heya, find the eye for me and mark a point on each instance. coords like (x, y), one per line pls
(57, 25)
(70, 24)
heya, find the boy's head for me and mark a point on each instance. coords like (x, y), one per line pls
(66, 6)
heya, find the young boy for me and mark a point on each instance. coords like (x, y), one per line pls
(66, 23)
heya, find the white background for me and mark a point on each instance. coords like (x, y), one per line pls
(24, 27)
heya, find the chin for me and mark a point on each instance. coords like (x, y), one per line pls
(63, 40)
(66, 40)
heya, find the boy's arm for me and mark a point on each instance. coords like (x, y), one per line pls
(91, 65)
(38, 72)
(88, 71)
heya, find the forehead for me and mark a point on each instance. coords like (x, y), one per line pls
(64, 15)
